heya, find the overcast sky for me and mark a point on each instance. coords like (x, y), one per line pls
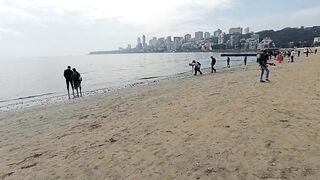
(73, 27)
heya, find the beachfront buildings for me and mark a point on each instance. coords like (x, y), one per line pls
(266, 43)
(203, 41)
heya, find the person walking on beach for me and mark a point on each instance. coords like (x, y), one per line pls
(315, 51)
(307, 53)
(262, 60)
(292, 55)
(196, 66)
(213, 62)
(68, 76)
(299, 53)
(228, 62)
(76, 78)
(245, 60)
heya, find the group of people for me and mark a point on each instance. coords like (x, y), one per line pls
(196, 66)
(74, 79)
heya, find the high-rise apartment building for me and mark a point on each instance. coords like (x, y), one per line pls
(237, 30)
(206, 35)
(198, 35)
(217, 33)
(187, 37)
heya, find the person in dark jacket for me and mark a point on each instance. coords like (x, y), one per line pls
(228, 62)
(68, 76)
(76, 78)
(213, 62)
(262, 60)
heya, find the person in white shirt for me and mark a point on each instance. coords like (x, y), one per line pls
(292, 55)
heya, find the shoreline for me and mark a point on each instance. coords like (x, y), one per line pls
(34, 101)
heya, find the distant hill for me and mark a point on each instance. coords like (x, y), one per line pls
(292, 37)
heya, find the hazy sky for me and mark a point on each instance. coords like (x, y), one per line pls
(72, 27)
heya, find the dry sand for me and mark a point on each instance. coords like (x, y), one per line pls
(216, 126)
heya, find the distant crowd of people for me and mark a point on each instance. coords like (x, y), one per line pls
(73, 79)
(262, 58)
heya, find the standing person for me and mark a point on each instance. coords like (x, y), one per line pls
(68, 76)
(289, 56)
(262, 60)
(292, 55)
(228, 62)
(76, 78)
(307, 53)
(315, 51)
(279, 58)
(299, 53)
(245, 60)
(213, 62)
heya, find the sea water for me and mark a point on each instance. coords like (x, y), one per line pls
(39, 80)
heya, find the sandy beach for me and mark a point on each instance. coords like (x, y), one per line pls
(225, 125)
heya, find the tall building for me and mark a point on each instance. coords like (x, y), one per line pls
(246, 30)
(168, 39)
(221, 38)
(139, 44)
(177, 42)
(144, 44)
(198, 35)
(143, 39)
(235, 41)
(206, 35)
(237, 30)
(217, 33)
(187, 37)
(139, 40)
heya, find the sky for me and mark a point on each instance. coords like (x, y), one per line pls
(76, 27)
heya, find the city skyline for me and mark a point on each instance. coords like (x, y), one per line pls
(200, 41)
(72, 27)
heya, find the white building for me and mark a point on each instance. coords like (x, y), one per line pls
(266, 43)
(316, 40)
(252, 43)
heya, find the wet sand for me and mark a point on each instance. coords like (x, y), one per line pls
(216, 126)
